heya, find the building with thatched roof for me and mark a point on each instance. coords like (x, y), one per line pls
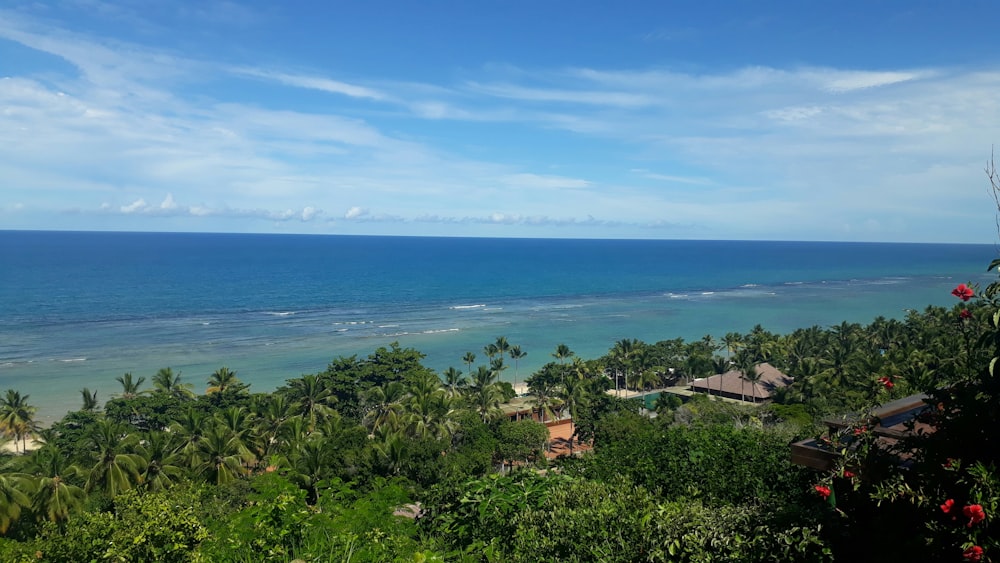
(733, 385)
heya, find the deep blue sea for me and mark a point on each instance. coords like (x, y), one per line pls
(79, 309)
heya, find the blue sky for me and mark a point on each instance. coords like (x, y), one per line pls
(710, 120)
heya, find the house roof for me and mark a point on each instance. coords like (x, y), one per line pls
(733, 383)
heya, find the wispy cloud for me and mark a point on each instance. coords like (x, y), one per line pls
(752, 151)
(312, 83)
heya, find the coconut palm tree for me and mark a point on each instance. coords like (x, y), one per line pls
(168, 382)
(751, 374)
(623, 353)
(455, 380)
(162, 459)
(191, 425)
(117, 468)
(90, 403)
(384, 405)
(312, 398)
(17, 417)
(573, 395)
(502, 346)
(130, 387)
(221, 455)
(562, 353)
(544, 395)
(224, 380)
(12, 499)
(483, 394)
(469, 358)
(54, 497)
(490, 350)
(732, 341)
(516, 354)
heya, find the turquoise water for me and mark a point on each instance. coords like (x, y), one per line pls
(79, 309)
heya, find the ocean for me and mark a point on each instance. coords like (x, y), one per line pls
(78, 309)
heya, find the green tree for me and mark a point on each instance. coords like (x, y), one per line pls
(130, 386)
(312, 398)
(224, 380)
(220, 454)
(55, 497)
(17, 417)
(516, 354)
(563, 353)
(162, 461)
(12, 499)
(90, 403)
(117, 468)
(469, 358)
(168, 382)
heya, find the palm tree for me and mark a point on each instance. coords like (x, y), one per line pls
(623, 352)
(190, 425)
(502, 346)
(12, 499)
(746, 365)
(390, 449)
(562, 353)
(573, 395)
(486, 400)
(163, 461)
(752, 375)
(455, 380)
(543, 391)
(117, 468)
(312, 398)
(168, 382)
(384, 405)
(483, 393)
(732, 341)
(469, 358)
(429, 414)
(310, 463)
(17, 418)
(490, 350)
(54, 497)
(130, 387)
(516, 354)
(224, 379)
(221, 456)
(90, 403)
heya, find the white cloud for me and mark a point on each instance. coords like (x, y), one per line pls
(136, 206)
(168, 203)
(313, 83)
(601, 98)
(309, 213)
(355, 213)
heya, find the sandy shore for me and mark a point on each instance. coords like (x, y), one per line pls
(31, 445)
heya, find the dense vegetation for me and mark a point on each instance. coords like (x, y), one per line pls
(334, 466)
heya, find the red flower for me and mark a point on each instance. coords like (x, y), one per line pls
(848, 474)
(823, 491)
(965, 314)
(886, 382)
(860, 430)
(974, 513)
(974, 553)
(963, 292)
(947, 506)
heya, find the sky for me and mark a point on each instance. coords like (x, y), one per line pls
(799, 120)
